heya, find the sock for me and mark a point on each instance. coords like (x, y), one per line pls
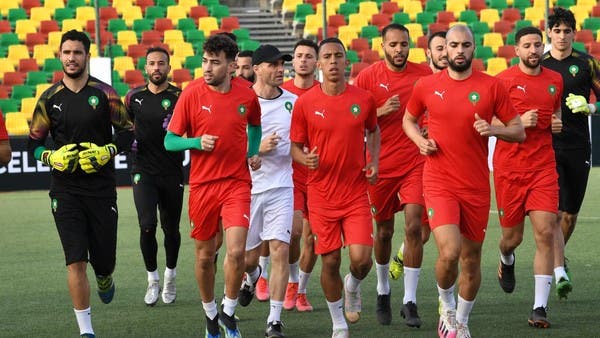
(411, 280)
(275, 312)
(253, 276)
(153, 276)
(447, 298)
(463, 310)
(336, 311)
(303, 281)
(170, 273)
(543, 283)
(559, 272)
(264, 264)
(508, 260)
(383, 283)
(229, 306)
(210, 309)
(84, 320)
(352, 283)
(293, 273)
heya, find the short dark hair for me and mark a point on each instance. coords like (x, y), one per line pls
(438, 34)
(221, 43)
(159, 50)
(331, 40)
(561, 15)
(394, 26)
(526, 31)
(229, 35)
(75, 35)
(307, 43)
(246, 54)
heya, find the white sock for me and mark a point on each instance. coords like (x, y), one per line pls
(84, 320)
(210, 309)
(294, 273)
(253, 276)
(153, 276)
(264, 265)
(303, 281)
(170, 273)
(508, 260)
(411, 281)
(336, 311)
(352, 284)
(229, 305)
(383, 283)
(559, 272)
(543, 284)
(275, 312)
(463, 310)
(447, 298)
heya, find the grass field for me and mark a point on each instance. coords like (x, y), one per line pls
(35, 301)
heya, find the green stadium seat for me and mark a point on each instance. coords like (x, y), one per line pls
(580, 46)
(348, 8)
(479, 28)
(515, 61)
(166, 3)
(114, 51)
(141, 62)
(219, 12)
(468, 16)
(426, 18)
(15, 14)
(565, 3)
(434, 6)
(76, 3)
(249, 45)
(521, 24)
(21, 91)
(121, 88)
(498, 4)
(522, 4)
(192, 62)
(352, 56)
(591, 23)
(369, 32)
(242, 34)
(8, 39)
(186, 24)
(302, 10)
(155, 12)
(52, 65)
(35, 78)
(141, 25)
(209, 3)
(9, 106)
(484, 52)
(194, 36)
(510, 38)
(116, 25)
(61, 14)
(401, 18)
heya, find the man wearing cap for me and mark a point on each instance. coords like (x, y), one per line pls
(271, 207)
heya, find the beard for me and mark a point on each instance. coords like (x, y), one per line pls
(75, 75)
(162, 79)
(529, 64)
(437, 66)
(390, 59)
(460, 68)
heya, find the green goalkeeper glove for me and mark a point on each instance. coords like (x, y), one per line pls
(578, 104)
(92, 159)
(63, 159)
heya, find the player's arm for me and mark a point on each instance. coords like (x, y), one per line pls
(174, 142)
(310, 159)
(373, 146)
(411, 129)
(254, 136)
(511, 131)
(5, 152)
(556, 122)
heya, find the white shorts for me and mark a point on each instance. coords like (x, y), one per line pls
(271, 215)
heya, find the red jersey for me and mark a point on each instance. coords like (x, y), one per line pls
(542, 92)
(201, 110)
(398, 153)
(3, 132)
(300, 174)
(336, 126)
(460, 163)
(241, 81)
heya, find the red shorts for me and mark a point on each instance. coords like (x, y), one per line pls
(469, 211)
(354, 223)
(390, 195)
(518, 193)
(300, 202)
(226, 199)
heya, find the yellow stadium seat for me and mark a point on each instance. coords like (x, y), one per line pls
(208, 24)
(357, 21)
(415, 30)
(367, 8)
(289, 6)
(580, 13)
(132, 13)
(401, 3)
(94, 50)
(43, 52)
(173, 37)
(495, 65)
(16, 124)
(312, 24)
(335, 4)
(69, 24)
(417, 55)
(376, 45)
(346, 34)
(126, 38)
(54, 40)
(198, 73)
(16, 53)
(24, 26)
(534, 14)
(40, 88)
(413, 8)
(489, 16)
(28, 106)
(319, 10)
(40, 14)
(176, 62)
(183, 49)
(175, 13)
(188, 4)
(455, 6)
(54, 4)
(85, 13)
(6, 5)
(6, 65)
(122, 6)
(493, 40)
(122, 64)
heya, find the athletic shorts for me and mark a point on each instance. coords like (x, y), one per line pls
(87, 227)
(271, 217)
(164, 192)
(573, 167)
(470, 211)
(300, 202)
(226, 199)
(518, 193)
(334, 228)
(390, 195)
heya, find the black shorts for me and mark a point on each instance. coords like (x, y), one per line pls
(166, 192)
(573, 167)
(87, 227)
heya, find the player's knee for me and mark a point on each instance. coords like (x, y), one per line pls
(384, 233)
(570, 219)
(148, 228)
(412, 232)
(236, 254)
(449, 254)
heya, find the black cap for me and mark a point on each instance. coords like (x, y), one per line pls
(268, 53)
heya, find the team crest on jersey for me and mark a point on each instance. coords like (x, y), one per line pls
(355, 110)
(136, 178)
(373, 210)
(501, 212)
(552, 89)
(288, 106)
(93, 101)
(192, 224)
(573, 69)
(474, 97)
(166, 103)
(54, 204)
(242, 109)
(430, 212)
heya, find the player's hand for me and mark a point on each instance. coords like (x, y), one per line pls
(556, 124)
(208, 142)
(427, 147)
(63, 159)
(529, 118)
(269, 143)
(371, 172)
(254, 162)
(95, 157)
(482, 126)
(311, 159)
(391, 105)
(578, 104)
(425, 131)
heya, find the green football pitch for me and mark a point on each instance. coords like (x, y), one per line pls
(35, 301)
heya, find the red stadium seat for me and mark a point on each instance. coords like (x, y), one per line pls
(380, 20)
(445, 17)
(478, 64)
(389, 8)
(32, 39)
(143, 4)
(163, 24)
(136, 51)
(596, 11)
(357, 68)
(29, 4)
(331, 31)
(151, 37)
(370, 56)
(5, 91)
(181, 75)
(230, 23)
(503, 27)
(359, 45)
(48, 26)
(437, 27)
(27, 65)
(511, 14)
(57, 76)
(477, 5)
(585, 35)
(5, 26)
(198, 12)
(14, 78)
(507, 52)
(134, 78)
(422, 41)
(336, 20)
(108, 13)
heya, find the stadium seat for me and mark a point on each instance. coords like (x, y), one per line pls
(163, 24)
(300, 13)
(511, 14)
(48, 26)
(489, 16)
(433, 6)
(585, 36)
(40, 14)
(36, 77)
(484, 52)
(126, 38)
(503, 27)
(249, 45)
(24, 27)
(521, 24)
(21, 91)
(230, 23)
(16, 124)
(479, 28)
(401, 18)
(370, 56)
(500, 5)
(468, 16)
(63, 13)
(13, 78)
(9, 106)
(521, 4)
(426, 18)
(219, 12)
(376, 45)
(28, 106)
(455, 6)
(4, 90)
(389, 8)
(415, 30)
(592, 24)
(75, 3)
(199, 11)
(175, 13)
(412, 8)
(172, 37)
(122, 5)
(188, 3)
(437, 27)
(70, 24)
(368, 8)
(477, 5)
(122, 64)
(132, 13)
(6, 66)
(181, 75)
(107, 13)
(507, 52)
(348, 8)
(346, 34)
(51, 65)
(5, 27)
(166, 3)
(29, 4)
(359, 45)
(356, 68)
(116, 25)
(43, 52)
(85, 13)
(27, 65)
(417, 55)
(445, 17)
(183, 49)
(312, 24)
(33, 39)
(495, 65)
(155, 12)
(493, 40)
(16, 53)
(142, 25)
(136, 51)
(534, 15)
(192, 62)
(369, 32)
(6, 5)
(198, 73)
(207, 25)
(134, 78)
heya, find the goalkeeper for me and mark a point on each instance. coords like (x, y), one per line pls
(80, 112)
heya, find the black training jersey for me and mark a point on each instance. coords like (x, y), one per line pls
(151, 114)
(87, 116)
(580, 73)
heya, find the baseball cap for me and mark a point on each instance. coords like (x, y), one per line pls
(268, 53)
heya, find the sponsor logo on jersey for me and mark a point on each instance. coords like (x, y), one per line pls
(440, 94)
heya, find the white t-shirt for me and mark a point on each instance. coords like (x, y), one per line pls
(276, 167)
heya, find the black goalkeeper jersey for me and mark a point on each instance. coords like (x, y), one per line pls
(580, 73)
(151, 114)
(87, 116)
